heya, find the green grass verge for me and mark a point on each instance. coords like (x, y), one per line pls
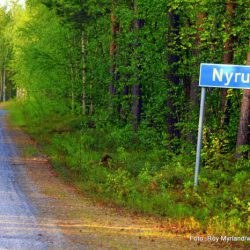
(100, 162)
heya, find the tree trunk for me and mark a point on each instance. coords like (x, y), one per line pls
(173, 78)
(115, 27)
(228, 57)
(73, 75)
(91, 106)
(194, 82)
(4, 84)
(243, 131)
(10, 89)
(137, 88)
(136, 105)
(1, 86)
(72, 90)
(84, 106)
(193, 97)
(228, 47)
(125, 105)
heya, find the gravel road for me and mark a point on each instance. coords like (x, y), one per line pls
(20, 224)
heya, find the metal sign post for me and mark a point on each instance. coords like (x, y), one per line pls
(199, 142)
(218, 76)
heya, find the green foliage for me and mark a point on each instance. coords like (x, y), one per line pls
(76, 79)
(146, 181)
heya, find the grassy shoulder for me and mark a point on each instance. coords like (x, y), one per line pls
(114, 165)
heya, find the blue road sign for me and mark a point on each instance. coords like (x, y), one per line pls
(224, 76)
(219, 76)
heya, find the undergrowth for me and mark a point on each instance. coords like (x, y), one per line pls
(113, 164)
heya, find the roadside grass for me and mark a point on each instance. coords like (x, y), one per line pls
(101, 162)
(29, 151)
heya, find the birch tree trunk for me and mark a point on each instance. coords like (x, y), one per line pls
(84, 97)
(72, 75)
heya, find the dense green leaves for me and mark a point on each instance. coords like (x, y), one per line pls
(120, 79)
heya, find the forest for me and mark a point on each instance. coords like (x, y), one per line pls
(109, 90)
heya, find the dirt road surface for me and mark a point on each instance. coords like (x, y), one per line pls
(38, 210)
(19, 224)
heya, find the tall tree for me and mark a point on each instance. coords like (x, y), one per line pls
(137, 87)
(115, 26)
(228, 53)
(172, 73)
(84, 78)
(196, 54)
(5, 50)
(243, 131)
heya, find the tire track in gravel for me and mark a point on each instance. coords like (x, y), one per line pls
(20, 224)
